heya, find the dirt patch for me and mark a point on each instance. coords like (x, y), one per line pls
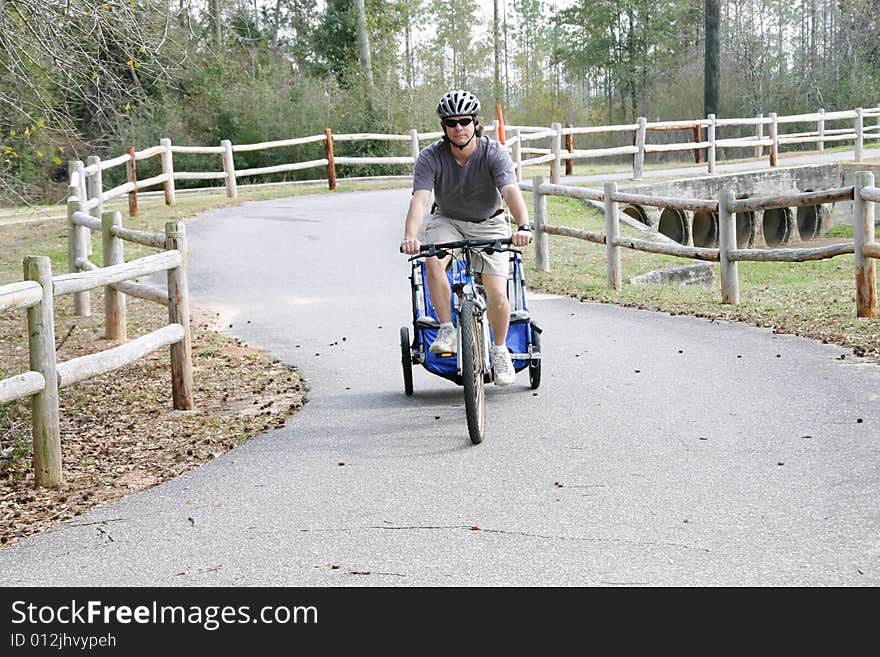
(120, 434)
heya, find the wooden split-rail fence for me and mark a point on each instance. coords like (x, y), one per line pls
(866, 249)
(37, 292)
(528, 145)
(87, 196)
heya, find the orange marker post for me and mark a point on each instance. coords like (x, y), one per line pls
(500, 124)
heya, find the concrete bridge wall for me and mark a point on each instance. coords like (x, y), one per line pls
(773, 228)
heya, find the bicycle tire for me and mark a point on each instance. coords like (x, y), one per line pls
(535, 365)
(406, 361)
(472, 372)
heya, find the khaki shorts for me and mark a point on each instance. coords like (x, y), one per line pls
(440, 228)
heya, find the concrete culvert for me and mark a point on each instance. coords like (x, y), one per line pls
(674, 225)
(638, 213)
(746, 227)
(745, 230)
(777, 226)
(704, 229)
(808, 220)
(813, 220)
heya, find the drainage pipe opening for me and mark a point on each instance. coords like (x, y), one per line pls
(746, 227)
(808, 221)
(638, 213)
(704, 229)
(674, 225)
(745, 230)
(777, 226)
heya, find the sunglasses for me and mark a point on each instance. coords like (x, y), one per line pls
(451, 123)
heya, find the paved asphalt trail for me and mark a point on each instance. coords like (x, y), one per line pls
(659, 450)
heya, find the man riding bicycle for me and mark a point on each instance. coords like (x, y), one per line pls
(469, 175)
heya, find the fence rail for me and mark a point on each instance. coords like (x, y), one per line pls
(865, 247)
(525, 143)
(46, 375)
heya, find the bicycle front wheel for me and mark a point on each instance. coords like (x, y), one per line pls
(472, 371)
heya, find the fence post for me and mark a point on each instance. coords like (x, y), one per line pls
(877, 126)
(612, 232)
(556, 150)
(698, 137)
(178, 313)
(820, 128)
(78, 237)
(759, 135)
(44, 404)
(414, 145)
(229, 168)
(542, 253)
(95, 187)
(863, 225)
(774, 137)
(331, 163)
(859, 125)
(726, 244)
(517, 152)
(168, 169)
(131, 174)
(710, 154)
(114, 301)
(639, 156)
(85, 234)
(569, 146)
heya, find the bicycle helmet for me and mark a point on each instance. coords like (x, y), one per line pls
(458, 103)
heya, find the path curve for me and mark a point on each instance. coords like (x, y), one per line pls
(659, 450)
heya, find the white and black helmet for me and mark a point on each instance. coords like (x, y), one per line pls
(458, 103)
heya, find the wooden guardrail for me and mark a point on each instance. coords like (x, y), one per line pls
(865, 247)
(857, 132)
(528, 145)
(36, 294)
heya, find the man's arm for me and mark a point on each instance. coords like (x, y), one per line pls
(517, 205)
(418, 205)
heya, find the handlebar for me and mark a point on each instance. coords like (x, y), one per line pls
(441, 249)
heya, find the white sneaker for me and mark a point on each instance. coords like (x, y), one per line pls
(445, 342)
(502, 366)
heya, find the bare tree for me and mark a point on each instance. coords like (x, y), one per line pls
(75, 68)
(364, 42)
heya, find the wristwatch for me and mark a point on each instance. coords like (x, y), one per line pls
(525, 228)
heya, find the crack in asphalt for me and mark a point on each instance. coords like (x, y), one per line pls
(475, 528)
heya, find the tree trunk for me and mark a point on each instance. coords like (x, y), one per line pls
(712, 59)
(496, 33)
(410, 58)
(364, 43)
(217, 28)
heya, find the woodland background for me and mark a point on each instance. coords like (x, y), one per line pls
(84, 77)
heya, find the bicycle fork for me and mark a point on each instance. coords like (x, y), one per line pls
(469, 291)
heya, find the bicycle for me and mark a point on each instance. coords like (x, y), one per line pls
(472, 366)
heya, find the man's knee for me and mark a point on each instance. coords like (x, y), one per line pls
(437, 270)
(499, 302)
(437, 264)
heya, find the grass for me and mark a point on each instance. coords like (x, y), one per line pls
(814, 299)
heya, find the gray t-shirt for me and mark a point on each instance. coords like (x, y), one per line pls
(469, 192)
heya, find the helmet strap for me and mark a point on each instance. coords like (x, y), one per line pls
(465, 144)
(459, 146)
